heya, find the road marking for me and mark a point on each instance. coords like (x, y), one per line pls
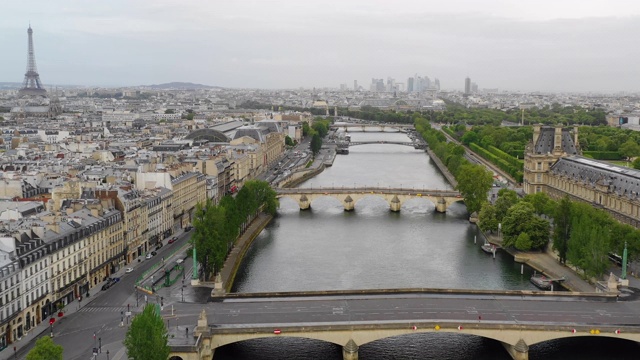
(103, 309)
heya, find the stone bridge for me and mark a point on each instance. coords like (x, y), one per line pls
(372, 127)
(395, 197)
(350, 319)
(415, 145)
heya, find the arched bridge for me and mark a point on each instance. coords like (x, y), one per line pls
(415, 145)
(372, 127)
(517, 319)
(395, 197)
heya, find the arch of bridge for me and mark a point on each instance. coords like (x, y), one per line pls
(340, 337)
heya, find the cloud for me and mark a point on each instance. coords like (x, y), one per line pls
(529, 45)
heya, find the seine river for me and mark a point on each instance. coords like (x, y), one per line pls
(326, 248)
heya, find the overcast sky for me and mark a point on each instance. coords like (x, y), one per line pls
(545, 45)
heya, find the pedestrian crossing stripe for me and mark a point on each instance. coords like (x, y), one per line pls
(103, 309)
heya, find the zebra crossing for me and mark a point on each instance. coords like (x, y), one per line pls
(103, 309)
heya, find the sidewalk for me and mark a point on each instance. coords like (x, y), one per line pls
(44, 327)
(549, 265)
(231, 264)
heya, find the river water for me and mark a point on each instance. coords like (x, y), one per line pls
(326, 248)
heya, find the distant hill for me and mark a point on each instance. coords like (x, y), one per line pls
(182, 86)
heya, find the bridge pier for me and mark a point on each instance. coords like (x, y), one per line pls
(350, 350)
(441, 206)
(395, 204)
(519, 351)
(304, 202)
(348, 203)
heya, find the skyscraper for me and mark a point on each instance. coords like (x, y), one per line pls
(31, 84)
(467, 85)
(410, 84)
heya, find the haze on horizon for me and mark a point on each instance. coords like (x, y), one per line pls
(529, 45)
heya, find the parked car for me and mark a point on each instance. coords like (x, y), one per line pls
(149, 256)
(172, 240)
(188, 228)
(153, 253)
(128, 270)
(107, 285)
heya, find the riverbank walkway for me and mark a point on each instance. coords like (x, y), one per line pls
(232, 263)
(548, 263)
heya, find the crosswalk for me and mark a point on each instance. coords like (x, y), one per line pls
(103, 309)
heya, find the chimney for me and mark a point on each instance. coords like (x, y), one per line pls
(557, 139)
(54, 226)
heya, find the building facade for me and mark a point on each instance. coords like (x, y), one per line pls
(553, 165)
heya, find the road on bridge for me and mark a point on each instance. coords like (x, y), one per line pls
(408, 308)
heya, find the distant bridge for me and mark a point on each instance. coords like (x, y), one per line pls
(372, 126)
(395, 197)
(415, 145)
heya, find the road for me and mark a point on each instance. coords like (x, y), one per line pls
(102, 315)
(503, 309)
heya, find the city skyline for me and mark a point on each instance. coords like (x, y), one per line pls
(575, 46)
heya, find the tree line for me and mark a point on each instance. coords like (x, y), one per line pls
(317, 131)
(473, 180)
(217, 227)
(582, 235)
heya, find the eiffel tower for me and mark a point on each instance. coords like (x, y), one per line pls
(31, 84)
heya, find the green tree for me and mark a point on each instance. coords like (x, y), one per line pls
(316, 144)
(636, 163)
(473, 183)
(264, 194)
(45, 349)
(523, 242)
(487, 219)
(305, 128)
(629, 149)
(590, 238)
(469, 137)
(209, 237)
(506, 199)
(542, 203)
(288, 141)
(169, 111)
(520, 218)
(562, 228)
(146, 338)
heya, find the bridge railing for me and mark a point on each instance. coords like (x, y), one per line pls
(367, 189)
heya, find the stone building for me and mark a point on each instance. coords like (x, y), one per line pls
(552, 164)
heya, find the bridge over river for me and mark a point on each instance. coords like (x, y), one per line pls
(415, 145)
(395, 197)
(350, 319)
(372, 127)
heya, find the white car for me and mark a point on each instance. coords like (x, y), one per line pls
(149, 256)
(128, 270)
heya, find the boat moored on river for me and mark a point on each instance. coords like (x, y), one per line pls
(542, 282)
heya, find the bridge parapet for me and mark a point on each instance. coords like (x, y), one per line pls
(395, 197)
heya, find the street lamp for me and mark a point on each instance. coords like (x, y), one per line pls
(107, 354)
(182, 290)
(100, 344)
